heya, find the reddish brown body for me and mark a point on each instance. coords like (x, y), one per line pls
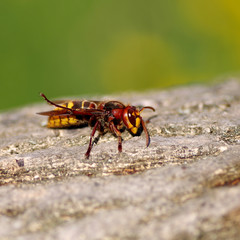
(104, 116)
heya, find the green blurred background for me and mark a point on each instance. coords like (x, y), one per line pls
(73, 47)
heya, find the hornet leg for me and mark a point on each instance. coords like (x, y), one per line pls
(87, 154)
(118, 133)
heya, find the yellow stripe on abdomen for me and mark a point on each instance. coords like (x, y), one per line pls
(63, 121)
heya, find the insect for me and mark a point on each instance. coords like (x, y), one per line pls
(102, 116)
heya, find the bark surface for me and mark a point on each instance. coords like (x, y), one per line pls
(185, 185)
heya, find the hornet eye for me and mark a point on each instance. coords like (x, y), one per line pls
(131, 117)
